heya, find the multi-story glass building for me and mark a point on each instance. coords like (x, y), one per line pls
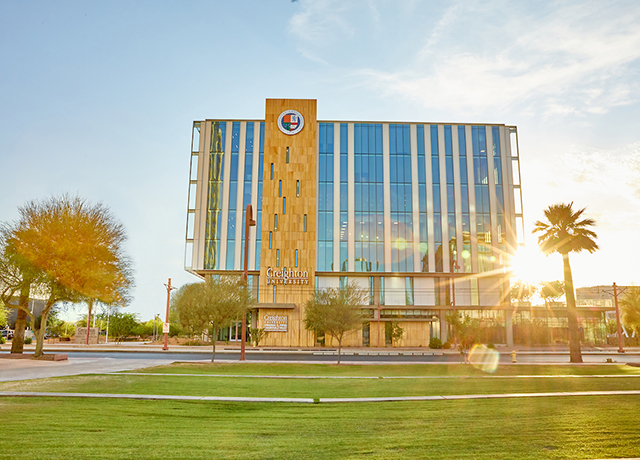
(423, 215)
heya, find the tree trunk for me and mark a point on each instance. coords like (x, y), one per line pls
(40, 333)
(90, 305)
(17, 345)
(339, 348)
(575, 354)
(214, 332)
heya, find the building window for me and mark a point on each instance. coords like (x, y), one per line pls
(279, 188)
(305, 222)
(277, 257)
(274, 294)
(284, 205)
(271, 171)
(297, 188)
(408, 290)
(270, 240)
(325, 215)
(275, 223)
(296, 258)
(287, 155)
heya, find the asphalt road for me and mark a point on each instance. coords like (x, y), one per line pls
(360, 358)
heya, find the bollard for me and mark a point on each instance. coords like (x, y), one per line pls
(513, 356)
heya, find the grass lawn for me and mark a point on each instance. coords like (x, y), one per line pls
(538, 428)
(584, 427)
(467, 380)
(377, 370)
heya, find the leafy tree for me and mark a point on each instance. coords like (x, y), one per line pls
(60, 328)
(566, 231)
(213, 304)
(123, 325)
(551, 290)
(522, 291)
(630, 306)
(185, 303)
(77, 250)
(3, 314)
(17, 276)
(396, 332)
(466, 331)
(336, 311)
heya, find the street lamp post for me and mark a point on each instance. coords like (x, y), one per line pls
(249, 222)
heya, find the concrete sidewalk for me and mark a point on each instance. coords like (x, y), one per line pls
(313, 400)
(28, 369)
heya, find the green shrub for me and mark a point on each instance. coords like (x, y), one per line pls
(491, 345)
(446, 345)
(2, 340)
(28, 341)
(258, 335)
(435, 343)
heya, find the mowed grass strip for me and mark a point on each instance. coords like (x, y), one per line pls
(377, 370)
(203, 385)
(539, 428)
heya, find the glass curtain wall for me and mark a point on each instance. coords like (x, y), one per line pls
(233, 194)
(344, 197)
(369, 198)
(214, 198)
(451, 199)
(422, 201)
(497, 174)
(483, 212)
(248, 178)
(325, 197)
(437, 216)
(259, 198)
(464, 198)
(401, 198)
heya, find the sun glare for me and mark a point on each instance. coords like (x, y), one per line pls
(530, 265)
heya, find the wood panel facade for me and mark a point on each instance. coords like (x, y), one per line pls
(290, 176)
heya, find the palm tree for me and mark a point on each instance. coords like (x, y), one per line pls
(566, 231)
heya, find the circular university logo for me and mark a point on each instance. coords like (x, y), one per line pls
(290, 122)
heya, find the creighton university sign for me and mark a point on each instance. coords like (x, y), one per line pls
(275, 323)
(285, 276)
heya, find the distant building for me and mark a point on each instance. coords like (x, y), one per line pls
(36, 306)
(422, 215)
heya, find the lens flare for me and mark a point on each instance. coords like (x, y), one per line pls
(484, 358)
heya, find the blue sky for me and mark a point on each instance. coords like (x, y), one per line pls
(97, 98)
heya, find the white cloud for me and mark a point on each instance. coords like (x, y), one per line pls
(570, 60)
(320, 21)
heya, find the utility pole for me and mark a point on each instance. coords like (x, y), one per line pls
(615, 294)
(249, 222)
(619, 324)
(165, 326)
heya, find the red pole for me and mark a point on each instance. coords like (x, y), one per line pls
(166, 334)
(89, 305)
(620, 338)
(249, 222)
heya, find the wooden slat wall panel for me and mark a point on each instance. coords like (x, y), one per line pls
(290, 234)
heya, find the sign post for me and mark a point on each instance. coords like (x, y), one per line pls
(165, 326)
